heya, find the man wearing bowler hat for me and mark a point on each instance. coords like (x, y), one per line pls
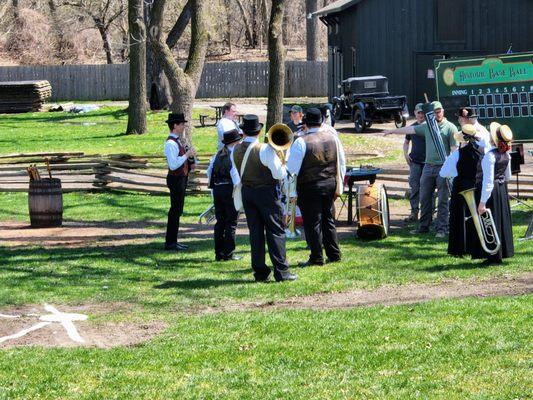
(261, 198)
(467, 115)
(316, 159)
(180, 161)
(221, 176)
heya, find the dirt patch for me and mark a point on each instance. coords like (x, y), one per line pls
(394, 295)
(103, 335)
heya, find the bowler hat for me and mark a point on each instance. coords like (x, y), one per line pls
(500, 133)
(466, 112)
(231, 136)
(313, 117)
(250, 124)
(175, 118)
(467, 132)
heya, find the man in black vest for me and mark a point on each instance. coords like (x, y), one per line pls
(180, 161)
(261, 197)
(313, 159)
(221, 177)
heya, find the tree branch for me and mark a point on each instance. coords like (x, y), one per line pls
(179, 27)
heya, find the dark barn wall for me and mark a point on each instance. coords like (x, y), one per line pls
(388, 35)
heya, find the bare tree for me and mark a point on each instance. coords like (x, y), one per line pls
(183, 82)
(312, 38)
(63, 46)
(16, 9)
(276, 69)
(137, 94)
(103, 14)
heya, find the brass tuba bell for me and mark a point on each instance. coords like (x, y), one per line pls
(280, 138)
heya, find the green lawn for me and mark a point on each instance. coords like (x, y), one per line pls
(461, 349)
(102, 132)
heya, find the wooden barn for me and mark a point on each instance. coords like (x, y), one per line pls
(400, 39)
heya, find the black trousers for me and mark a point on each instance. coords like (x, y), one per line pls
(316, 205)
(226, 221)
(177, 186)
(264, 213)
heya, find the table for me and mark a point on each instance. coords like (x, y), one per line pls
(354, 174)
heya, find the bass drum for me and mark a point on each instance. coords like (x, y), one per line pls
(372, 210)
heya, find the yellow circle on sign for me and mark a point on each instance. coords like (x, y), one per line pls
(448, 76)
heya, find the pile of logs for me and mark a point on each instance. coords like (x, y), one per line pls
(23, 96)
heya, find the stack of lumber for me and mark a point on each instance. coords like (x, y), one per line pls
(23, 96)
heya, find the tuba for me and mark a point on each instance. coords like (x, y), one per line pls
(484, 224)
(280, 137)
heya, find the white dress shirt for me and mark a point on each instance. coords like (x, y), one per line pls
(235, 178)
(172, 150)
(225, 125)
(449, 168)
(484, 141)
(297, 153)
(487, 165)
(268, 158)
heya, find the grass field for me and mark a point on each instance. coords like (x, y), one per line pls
(474, 348)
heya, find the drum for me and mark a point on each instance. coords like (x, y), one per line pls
(372, 208)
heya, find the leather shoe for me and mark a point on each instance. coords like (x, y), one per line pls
(262, 277)
(329, 261)
(287, 275)
(182, 246)
(309, 263)
(172, 247)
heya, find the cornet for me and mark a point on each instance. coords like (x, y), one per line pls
(484, 224)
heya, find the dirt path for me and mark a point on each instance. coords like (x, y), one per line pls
(394, 295)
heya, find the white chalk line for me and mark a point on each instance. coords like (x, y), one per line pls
(24, 331)
(9, 316)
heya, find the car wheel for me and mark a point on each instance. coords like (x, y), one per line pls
(337, 111)
(359, 122)
(399, 121)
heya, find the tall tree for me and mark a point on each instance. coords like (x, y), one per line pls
(183, 82)
(137, 44)
(276, 69)
(311, 33)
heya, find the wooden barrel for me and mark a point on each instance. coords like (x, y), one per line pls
(45, 201)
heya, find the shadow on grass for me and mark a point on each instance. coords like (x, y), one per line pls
(200, 283)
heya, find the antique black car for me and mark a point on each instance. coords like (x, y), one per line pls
(366, 99)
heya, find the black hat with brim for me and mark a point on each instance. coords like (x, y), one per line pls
(250, 124)
(231, 136)
(177, 118)
(466, 112)
(313, 117)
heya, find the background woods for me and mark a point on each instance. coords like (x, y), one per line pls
(96, 31)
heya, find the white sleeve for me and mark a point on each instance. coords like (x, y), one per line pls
(174, 160)
(235, 177)
(296, 156)
(449, 168)
(210, 168)
(508, 170)
(270, 159)
(342, 158)
(487, 165)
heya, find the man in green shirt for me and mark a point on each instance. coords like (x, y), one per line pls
(430, 179)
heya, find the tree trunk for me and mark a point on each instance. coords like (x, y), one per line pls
(64, 47)
(276, 69)
(312, 39)
(16, 14)
(179, 27)
(183, 82)
(105, 39)
(246, 22)
(137, 93)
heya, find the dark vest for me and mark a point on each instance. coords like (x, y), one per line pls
(184, 169)
(320, 159)
(255, 173)
(468, 167)
(502, 161)
(220, 175)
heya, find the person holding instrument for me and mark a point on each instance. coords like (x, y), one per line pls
(180, 160)
(494, 195)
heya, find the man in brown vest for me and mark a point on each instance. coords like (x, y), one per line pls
(313, 159)
(180, 161)
(261, 197)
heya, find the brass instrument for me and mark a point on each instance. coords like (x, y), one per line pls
(280, 138)
(484, 224)
(208, 215)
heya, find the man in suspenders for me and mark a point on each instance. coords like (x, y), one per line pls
(180, 161)
(261, 198)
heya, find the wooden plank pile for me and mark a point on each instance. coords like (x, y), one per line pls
(23, 96)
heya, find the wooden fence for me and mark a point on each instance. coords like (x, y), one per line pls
(219, 80)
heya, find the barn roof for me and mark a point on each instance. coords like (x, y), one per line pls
(335, 7)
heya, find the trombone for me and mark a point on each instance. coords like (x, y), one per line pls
(484, 224)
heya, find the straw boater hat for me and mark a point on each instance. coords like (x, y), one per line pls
(500, 132)
(467, 130)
